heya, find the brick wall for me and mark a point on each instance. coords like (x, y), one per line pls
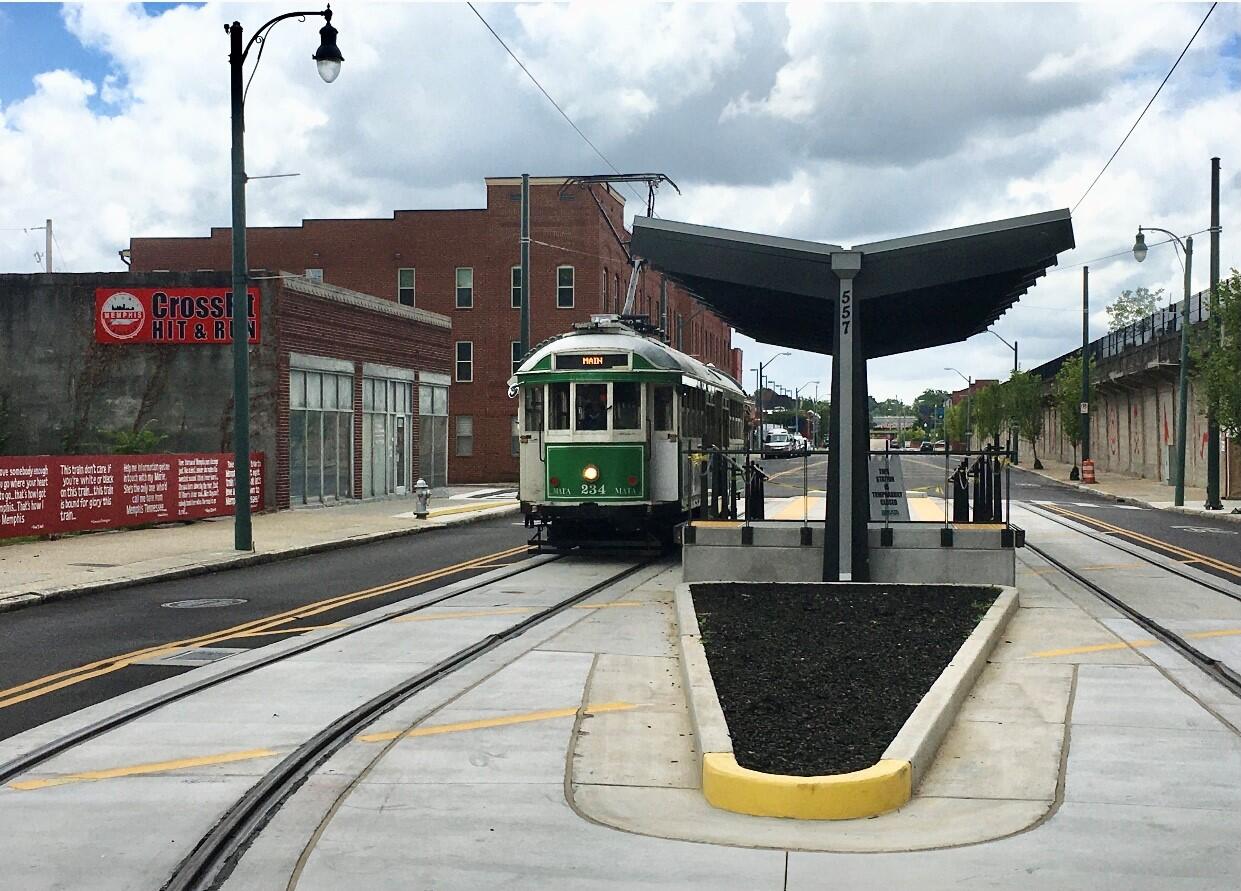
(365, 254)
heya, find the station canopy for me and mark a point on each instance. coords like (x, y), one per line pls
(914, 292)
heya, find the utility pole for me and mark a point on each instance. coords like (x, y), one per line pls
(47, 251)
(1182, 413)
(524, 336)
(1085, 406)
(1213, 326)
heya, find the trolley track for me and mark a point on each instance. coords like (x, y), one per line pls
(1226, 676)
(32, 759)
(213, 858)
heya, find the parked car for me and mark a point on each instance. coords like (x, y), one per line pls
(777, 444)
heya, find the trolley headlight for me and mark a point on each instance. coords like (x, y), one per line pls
(590, 473)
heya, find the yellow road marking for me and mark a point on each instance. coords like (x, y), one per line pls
(1096, 648)
(1134, 644)
(252, 754)
(143, 769)
(71, 676)
(286, 631)
(482, 505)
(1193, 556)
(464, 614)
(505, 721)
(505, 611)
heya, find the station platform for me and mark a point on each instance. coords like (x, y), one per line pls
(1086, 756)
(34, 571)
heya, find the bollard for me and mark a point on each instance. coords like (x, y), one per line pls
(422, 497)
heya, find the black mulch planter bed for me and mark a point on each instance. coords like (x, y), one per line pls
(818, 679)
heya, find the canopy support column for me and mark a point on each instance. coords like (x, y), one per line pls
(845, 555)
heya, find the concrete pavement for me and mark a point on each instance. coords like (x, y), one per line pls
(1084, 758)
(32, 572)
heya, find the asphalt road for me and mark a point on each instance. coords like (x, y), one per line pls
(52, 642)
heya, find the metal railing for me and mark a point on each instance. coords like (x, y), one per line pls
(940, 487)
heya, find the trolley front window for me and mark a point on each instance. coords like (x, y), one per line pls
(534, 409)
(592, 406)
(558, 397)
(626, 405)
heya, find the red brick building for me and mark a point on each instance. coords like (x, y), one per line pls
(464, 264)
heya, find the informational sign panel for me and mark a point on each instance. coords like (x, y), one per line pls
(73, 493)
(888, 500)
(170, 315)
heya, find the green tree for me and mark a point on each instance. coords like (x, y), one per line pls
(988, 414)
(927, 407)
(142, 441)
(1067, 397)
(1217, 357)
(954, 423)
(1131, 306)
(1023, 397)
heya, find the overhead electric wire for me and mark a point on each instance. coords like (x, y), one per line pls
(534, 80)
(1146, 109)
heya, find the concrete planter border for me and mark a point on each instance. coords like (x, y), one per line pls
(883, 787)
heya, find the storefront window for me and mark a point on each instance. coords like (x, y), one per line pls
(320, 436)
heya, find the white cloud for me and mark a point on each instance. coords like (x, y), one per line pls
(829, 122)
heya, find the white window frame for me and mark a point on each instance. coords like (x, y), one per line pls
(458, 362)
(516, 293)
(315, 274)
(412, 287)
(458, 287)
(458, 436)
(572, 287)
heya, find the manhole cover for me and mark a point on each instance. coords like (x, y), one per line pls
(204, 603)
(192, 657)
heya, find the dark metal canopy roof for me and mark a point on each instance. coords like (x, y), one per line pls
(914, 292)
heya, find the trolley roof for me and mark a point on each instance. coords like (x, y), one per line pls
(607, 333)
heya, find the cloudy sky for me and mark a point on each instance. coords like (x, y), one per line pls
(843, 123)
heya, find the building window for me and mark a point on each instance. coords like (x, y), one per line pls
(315, 275)
(320, 436)
(618, 296)
(517, 354)
(433, 432)
(680, 332)
(515, 439)
(465, 436)
(465, 361)
(564, 287)
(405, 286)
(603, 292)
(465, 287)
(514, 287)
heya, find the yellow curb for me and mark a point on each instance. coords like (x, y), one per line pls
(883, 787)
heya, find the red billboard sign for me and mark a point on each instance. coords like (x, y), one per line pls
(72, 493)
(170, 315)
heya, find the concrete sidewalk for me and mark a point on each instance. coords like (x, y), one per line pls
(34, 572)
(1139, 490)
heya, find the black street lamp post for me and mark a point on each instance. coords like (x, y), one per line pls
(328, 59)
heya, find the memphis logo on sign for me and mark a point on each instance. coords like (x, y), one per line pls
(170, 315)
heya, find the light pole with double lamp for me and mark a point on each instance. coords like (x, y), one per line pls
(1182, 413)
(1017, 437)
(328, 59)
(797, 409)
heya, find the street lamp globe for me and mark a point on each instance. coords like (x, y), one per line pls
(328, 56)
(1139, 248)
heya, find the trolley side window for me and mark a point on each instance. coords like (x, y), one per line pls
(663, 408)
(559, 408)
(533, 397)
(592, 406)
(626, 405)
